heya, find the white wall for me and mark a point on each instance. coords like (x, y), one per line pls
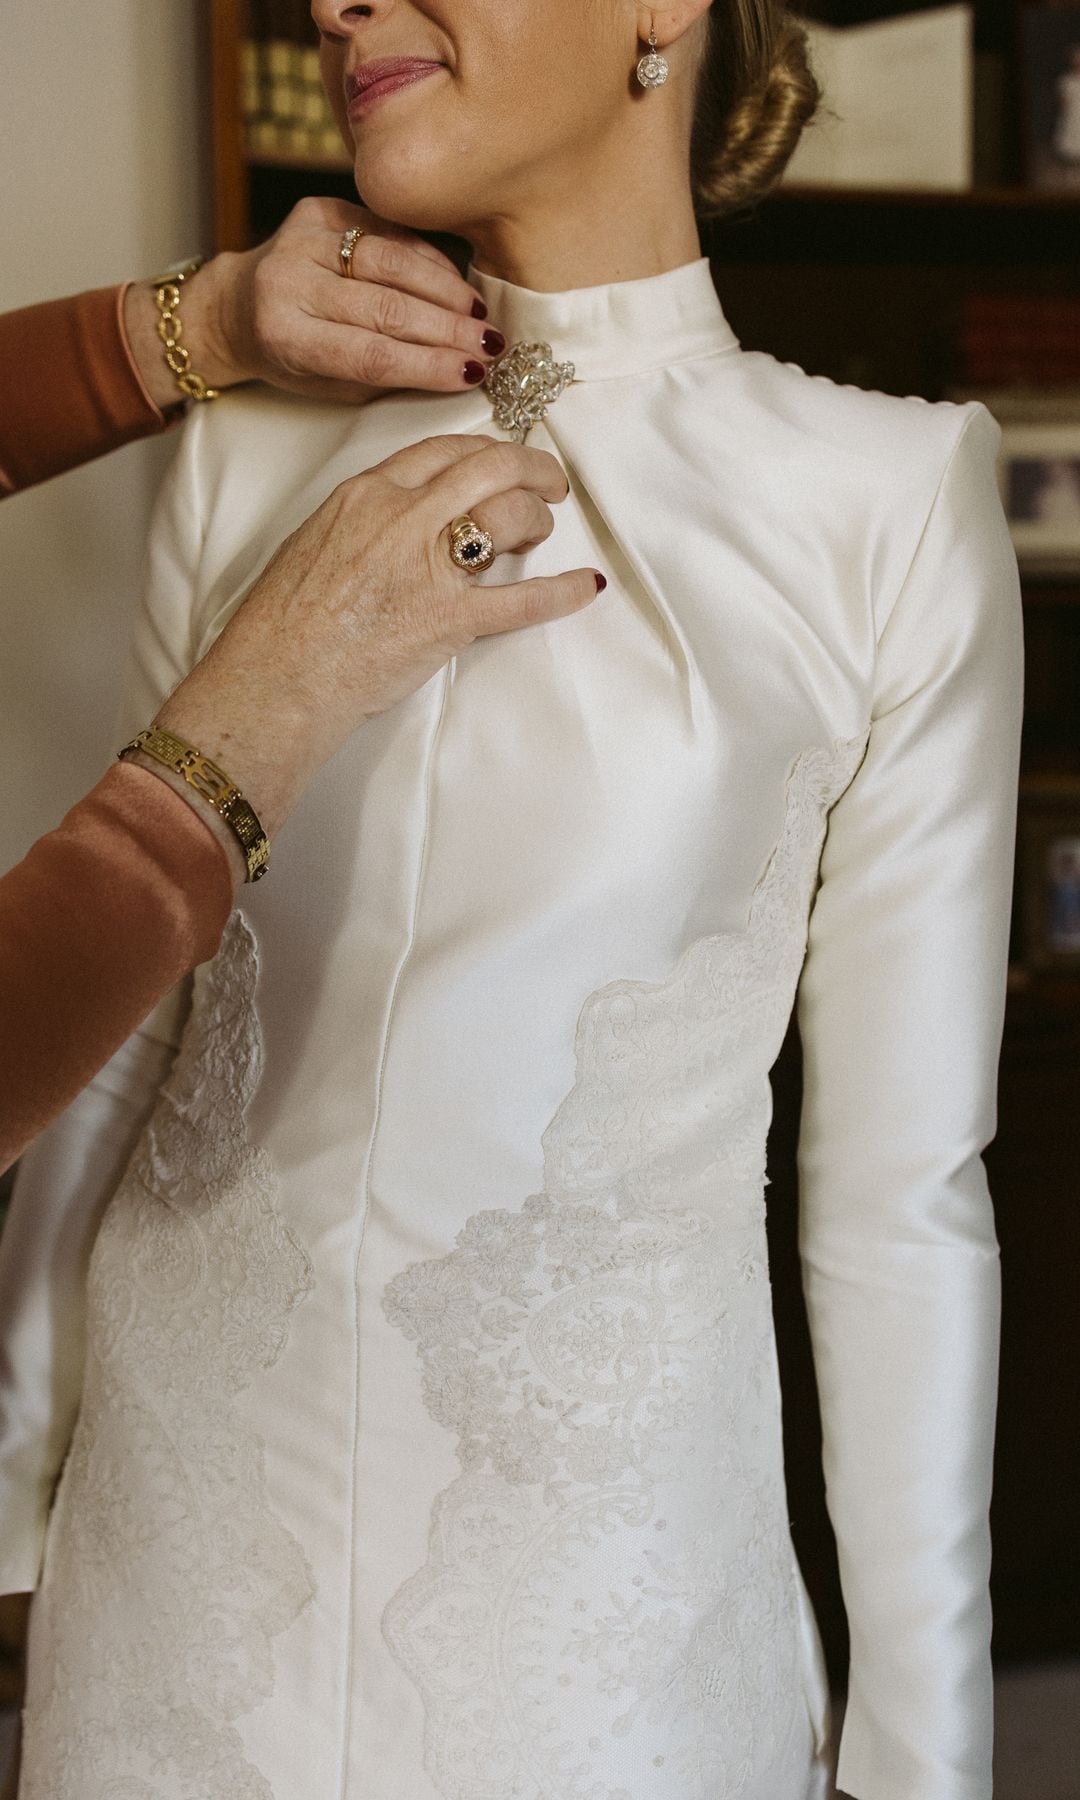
(104, 176)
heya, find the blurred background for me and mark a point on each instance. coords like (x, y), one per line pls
(925, 241)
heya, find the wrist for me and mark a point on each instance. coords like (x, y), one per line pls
(204, 297)
(208, 306)
(215, 825)
(258, 761)
(213, 786)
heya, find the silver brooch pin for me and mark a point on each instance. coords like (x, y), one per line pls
(523, 384)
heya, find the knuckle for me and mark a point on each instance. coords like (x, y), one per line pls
(522, 513)
(504, 464)
(461, 333)
(265, 301)
(390, 257)
(542, 522)
(444, 441)
(446, 451)
(391, 313)
(353, 485)
(533, 609)
(378, 361)
(553, 470)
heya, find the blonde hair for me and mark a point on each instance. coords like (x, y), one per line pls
(756, 91)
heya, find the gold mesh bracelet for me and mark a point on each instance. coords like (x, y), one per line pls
(171, 332)
(215, 787)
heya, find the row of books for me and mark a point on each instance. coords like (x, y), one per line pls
(286, 112)
(1006, 339)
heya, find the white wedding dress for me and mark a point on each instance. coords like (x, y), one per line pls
(429, 1438)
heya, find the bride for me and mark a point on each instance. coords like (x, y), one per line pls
(429, 1445)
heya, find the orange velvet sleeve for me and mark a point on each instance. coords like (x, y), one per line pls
(97, 924)
(70, 387)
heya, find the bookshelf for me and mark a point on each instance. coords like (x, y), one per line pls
(875, 287)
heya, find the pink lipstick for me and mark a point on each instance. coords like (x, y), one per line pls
(374, 80)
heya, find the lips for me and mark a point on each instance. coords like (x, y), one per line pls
(372, 80)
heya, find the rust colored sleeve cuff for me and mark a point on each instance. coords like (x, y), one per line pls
(99, 921)
(70, 386)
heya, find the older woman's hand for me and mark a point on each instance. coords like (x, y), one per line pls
(360, 607)
(286, 314)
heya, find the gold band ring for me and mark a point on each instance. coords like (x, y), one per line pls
(349, 241)
(471, 548)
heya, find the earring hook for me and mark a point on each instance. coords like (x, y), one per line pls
(652, 70)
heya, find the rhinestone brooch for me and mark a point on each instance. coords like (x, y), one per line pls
(523, 384)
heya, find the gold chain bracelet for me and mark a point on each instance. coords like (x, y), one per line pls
(214, 786)
(171, 331)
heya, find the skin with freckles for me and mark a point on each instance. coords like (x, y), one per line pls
(531, 138)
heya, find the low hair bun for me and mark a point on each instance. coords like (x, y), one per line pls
(756, 92)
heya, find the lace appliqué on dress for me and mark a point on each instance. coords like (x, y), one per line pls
(608, 1608)
(192, 1280)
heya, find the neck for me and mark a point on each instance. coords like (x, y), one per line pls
(612, 229)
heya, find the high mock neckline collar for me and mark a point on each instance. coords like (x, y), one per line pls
(625, 328)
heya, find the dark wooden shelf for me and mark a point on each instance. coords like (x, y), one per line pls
(1014, 195)
(269, 159)
(1040, 590)
(1032, 198)
(1037, 996)
(1028, 199)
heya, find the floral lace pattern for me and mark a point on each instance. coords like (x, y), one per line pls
(193, 1278)
(608, 1608)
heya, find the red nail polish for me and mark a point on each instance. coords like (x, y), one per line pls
(493, 343)
(479, 310)
(601, 581)
(473, 373)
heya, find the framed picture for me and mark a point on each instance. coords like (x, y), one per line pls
(1038, 472)
(1051, 52)
(1048, 854)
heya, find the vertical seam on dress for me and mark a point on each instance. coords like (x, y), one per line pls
(346, 1745)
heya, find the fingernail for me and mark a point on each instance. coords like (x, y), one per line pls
(473, 373)
(601, 581)
(493, 343)
(479, 310)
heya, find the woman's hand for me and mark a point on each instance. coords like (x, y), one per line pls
(285, 313)
(360, 607)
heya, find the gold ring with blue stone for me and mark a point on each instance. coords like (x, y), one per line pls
(471, 548)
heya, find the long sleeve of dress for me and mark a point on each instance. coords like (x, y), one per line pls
(65, 1181)
(105, 914)
(100, 920)
(69, 1175)
(70, 387)
(901, 1011)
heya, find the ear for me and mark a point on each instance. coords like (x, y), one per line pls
(670, 20)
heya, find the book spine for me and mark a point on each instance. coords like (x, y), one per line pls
(286, 112)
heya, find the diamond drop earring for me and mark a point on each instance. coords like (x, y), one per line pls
(652, 70)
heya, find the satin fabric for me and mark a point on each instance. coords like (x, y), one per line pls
(472, 1112)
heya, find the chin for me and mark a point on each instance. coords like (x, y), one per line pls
(411, 190)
